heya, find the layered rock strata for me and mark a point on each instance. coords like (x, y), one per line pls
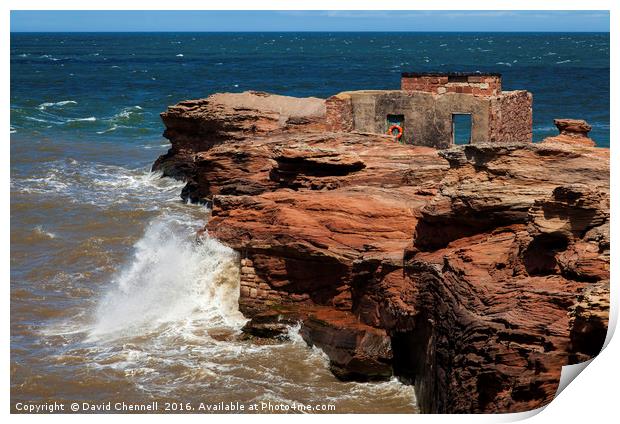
(572, 131)
(474, 273)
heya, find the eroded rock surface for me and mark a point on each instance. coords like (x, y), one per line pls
(197, 125)
(475, 272)
(572, 131)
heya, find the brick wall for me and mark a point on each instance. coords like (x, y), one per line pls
(478, 85)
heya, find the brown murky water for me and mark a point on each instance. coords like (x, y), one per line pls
(112, 300)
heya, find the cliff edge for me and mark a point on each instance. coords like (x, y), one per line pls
(474, 273)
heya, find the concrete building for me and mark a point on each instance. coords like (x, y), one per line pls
(437, 110)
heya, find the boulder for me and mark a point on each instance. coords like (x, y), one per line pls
(356, 351)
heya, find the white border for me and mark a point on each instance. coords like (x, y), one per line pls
(590, 398)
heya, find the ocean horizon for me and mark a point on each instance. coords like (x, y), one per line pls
(568, 73)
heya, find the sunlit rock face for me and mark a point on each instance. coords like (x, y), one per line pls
(572, 131)
(474, 273)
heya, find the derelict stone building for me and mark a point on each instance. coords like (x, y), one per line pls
(437, 110)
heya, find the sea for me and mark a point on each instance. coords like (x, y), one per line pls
(112, 300)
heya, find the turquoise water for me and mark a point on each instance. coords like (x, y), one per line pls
(111, 298)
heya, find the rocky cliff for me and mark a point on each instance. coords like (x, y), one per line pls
(474, 273)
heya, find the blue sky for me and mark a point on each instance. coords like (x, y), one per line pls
(150, 20)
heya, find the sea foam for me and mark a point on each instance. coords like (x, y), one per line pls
(172, 278)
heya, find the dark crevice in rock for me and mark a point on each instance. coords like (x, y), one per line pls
(540, 256)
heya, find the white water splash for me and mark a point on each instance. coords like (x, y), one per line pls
(39, 230)
(172, 279)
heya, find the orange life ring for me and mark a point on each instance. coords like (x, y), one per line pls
(396, 127)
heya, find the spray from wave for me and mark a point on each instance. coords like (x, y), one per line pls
(173, 279)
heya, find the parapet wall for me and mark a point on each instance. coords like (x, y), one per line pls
(475, 84)
(428, 117)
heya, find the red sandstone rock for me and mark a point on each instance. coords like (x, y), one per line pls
(572, 131)
(491, 335)
(312, 161)
(197, 125)
(356, 351)
(500, 256)
(273, 323)
(476, 272)
(490, 186)
(490, 310)
(588, 322)
(573, 127)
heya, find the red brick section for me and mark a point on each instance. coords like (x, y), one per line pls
(478, 85)
(339, 113)
(423, 83)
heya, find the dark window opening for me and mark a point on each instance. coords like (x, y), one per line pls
(461, 128)
(395, 120)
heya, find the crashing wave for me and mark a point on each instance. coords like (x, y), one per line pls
(171, 278)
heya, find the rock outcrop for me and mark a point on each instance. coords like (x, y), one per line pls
(197, 125)
(474, 273)
(572, 131)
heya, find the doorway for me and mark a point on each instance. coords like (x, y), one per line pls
(461, 128)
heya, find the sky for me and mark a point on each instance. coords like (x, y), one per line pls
(234, 21)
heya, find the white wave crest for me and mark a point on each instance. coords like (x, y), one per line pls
(126, 113)
(112, 128)
(172, 278)
(46, 105)
(49, 56)
(89, 119)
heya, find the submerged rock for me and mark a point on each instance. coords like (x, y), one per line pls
(475, 272)
(272, 324)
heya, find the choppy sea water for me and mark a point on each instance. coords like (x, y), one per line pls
(111, 297)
